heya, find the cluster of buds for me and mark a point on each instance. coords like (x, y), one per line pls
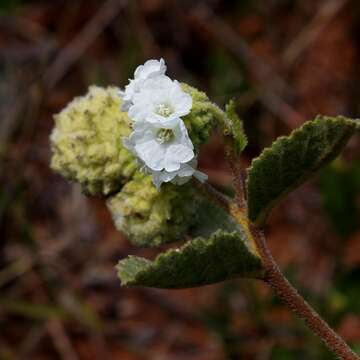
(126, 144)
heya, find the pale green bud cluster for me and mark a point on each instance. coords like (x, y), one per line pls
(201, 120)
(87, 142)
(87, 148)
(149, 217)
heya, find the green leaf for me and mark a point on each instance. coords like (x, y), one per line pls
(199, 262)
(211, 217)
(291, 160)
(237, 130)
(231, 124)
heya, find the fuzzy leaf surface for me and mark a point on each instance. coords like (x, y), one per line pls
(211, 217)
(199, 262)
(237, 130)
(292, 160)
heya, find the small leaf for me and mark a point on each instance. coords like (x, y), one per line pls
(291, 160)
(199, 262)
(237, 129)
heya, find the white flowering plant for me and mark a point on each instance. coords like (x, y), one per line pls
(138, 149)
(160, 140)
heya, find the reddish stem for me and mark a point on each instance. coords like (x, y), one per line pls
(289, 295)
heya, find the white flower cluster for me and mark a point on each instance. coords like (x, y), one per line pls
(160, 140)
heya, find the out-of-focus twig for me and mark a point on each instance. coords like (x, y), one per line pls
(326, 13)
(27, 29)
(269, 84)
(31, 341)
(69, 55)
(14, 270)
(18, 54)
(26, 50)
(225, 35)
(61, 341)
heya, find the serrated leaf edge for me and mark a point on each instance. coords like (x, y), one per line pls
(355, 123)
(131, 280)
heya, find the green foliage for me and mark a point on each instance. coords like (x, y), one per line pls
(291, 160)
(209, 218)
(237, 130)
(229, 122)
(199, 262)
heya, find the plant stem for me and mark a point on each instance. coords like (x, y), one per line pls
(236, 171)
(277, 281)
(289, 295)
(214, 195)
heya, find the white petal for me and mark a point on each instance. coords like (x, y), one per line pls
(175, 155)
(143, 135)
(181, 100)
(128, 144)
(157, 181)
(181, 180)
(142, 126)
(159, 83)
(152, 153)
(186, 170)
(167, 176)
(160, 177)
(127, 95)
(156, 178)
(125, 106)
(182, 136)
(150, 68)
(138, 112)
(163, 123)
(163, 66)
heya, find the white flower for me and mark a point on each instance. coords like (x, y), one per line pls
(151, 68)
(179, 177)
(160, 99)
(160, 140)
(161, 145)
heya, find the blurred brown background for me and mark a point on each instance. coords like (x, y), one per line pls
(284, 61)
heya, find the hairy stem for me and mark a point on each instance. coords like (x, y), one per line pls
(214, 195)
(236, 171)
(277, 281)
(289, 295)
(232, 158)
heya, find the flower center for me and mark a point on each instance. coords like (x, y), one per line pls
(164, 136)
(164, 110)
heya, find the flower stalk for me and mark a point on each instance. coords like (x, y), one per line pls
(296, 303)
(236, 172)
(285, 291)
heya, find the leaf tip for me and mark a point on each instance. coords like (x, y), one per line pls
(129, 268)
